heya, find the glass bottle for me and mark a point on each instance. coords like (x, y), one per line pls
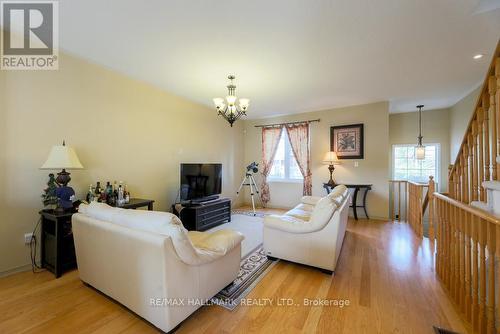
(98, 189)
(90, 194)
(126, 194)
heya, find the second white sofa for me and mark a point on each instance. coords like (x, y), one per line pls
(312, 233)
(148, 262)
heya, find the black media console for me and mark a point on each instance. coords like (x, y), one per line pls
(206, 215)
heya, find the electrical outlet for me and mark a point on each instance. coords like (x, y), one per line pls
(27, 238)
(356, 164)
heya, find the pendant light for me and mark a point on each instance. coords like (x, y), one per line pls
(420, 148)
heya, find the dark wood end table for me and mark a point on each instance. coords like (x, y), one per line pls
(357, 188)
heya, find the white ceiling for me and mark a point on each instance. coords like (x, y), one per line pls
(291, 56)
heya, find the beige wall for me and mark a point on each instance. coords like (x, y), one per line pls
(460, 115)
(403, 129)
(121, 129)
(373, 168)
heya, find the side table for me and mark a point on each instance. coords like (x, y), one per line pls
(357, 188)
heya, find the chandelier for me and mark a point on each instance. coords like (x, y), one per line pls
(231, 108)
(420, 148)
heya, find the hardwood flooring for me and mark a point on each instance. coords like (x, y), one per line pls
(385, 273)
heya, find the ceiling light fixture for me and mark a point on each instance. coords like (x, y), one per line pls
(478, 56)
(232, 108)
(420, 148)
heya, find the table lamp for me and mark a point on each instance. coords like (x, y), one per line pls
(331, 159)
(63, 157)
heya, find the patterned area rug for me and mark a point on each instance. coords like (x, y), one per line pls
(253, 268)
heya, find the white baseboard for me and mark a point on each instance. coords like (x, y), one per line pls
(26, 267)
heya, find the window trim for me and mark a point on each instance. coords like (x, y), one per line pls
(288, 155)
(438, 158)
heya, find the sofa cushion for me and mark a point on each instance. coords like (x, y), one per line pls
(299, 213)
(220, 242)
(323, 211)
(287, 223)
(311, 200)
(338, 195)
(163, 223)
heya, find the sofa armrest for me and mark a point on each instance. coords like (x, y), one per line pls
(211, 246)
(311, 200)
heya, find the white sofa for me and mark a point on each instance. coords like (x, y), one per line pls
(148, 262)
(312, 233)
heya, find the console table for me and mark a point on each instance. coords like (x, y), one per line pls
(136, 203)
(357, 188)
(203, 216)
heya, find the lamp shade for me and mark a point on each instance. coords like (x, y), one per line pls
(62, 157)
(420, 152)
(331, 158)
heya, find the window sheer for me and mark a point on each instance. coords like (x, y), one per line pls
(284, 164)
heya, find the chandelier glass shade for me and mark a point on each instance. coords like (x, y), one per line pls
(231, 108)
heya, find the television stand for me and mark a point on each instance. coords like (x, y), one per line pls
(205, 215)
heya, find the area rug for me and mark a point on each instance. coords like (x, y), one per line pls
(248, 213)
(253, 268)
(249, 226)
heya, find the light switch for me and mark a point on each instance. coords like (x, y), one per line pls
(356, 164)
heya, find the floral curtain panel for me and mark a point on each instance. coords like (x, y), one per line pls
(270, 140)
(298, 134)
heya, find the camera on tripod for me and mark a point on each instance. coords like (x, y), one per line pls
(249, 181)
(253, 167)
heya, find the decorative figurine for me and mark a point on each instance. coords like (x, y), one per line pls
(49, 197)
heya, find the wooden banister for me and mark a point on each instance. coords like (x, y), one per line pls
(485, 215)
(411, 200)
(476, 159)
(467, 245)
(468, 238)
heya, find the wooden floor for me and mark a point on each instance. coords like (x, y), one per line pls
(384, 272)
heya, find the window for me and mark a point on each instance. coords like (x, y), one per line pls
(407, 167)
(285, 166)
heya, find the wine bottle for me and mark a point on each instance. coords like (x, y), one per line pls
(120, 194)
(98, 189)
(126, 194)
(90, 194)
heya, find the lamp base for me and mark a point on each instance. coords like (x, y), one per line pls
(63, 178)
(331, 183)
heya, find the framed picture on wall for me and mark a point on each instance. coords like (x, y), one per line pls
(347, 141)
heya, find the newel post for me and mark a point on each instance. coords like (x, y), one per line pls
(432, 188)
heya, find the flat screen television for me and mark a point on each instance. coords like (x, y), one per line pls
(200, 181)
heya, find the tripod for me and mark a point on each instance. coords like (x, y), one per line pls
(249, 180)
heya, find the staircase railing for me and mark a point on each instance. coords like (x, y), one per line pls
(466, 242)
(476, 160)
(417, 197)
(409, 201)
(467, 238)
(398, 200)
